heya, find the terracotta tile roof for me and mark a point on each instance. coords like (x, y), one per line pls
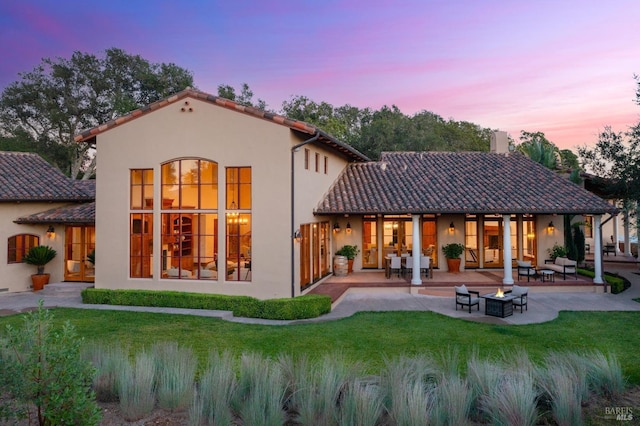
(456, 182)
(26, 176)
(78, 214)
(300, 126)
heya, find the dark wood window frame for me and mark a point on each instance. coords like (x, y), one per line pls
(21, 245)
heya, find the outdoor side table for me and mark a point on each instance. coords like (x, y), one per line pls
(498, 306)
(547, 275)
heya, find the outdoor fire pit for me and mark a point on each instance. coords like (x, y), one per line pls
(497, 304)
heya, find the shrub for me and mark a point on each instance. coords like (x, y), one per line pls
(512, 401)
(605, 374)
(309, 306)
(218, 388)
(361, 404)
(135, 387)
(41, 365)
(261, 392)
(175, 374)
(108, 361)
(618, 284)
(319, 388)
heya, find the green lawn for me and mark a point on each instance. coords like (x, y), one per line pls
(366, 337)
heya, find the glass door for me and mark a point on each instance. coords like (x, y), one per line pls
(471, 253)
(369, 242)
(492, 239)
(397, 235)
(80, 242)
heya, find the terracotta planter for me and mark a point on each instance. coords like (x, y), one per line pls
(453, 265)
(350, 266)
(39, 281)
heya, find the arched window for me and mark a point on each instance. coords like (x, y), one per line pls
(189, 219)
(19, 245)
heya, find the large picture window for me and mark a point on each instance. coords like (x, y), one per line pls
(238, 229)
(19, 245)
(189, 219)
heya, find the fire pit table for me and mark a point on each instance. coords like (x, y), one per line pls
(498, 306)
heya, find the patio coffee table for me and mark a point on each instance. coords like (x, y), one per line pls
(547, 275)
(498, 306)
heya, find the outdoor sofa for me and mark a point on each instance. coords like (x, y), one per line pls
(562, 265)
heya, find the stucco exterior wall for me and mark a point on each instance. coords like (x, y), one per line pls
(310, 187)
(16, 277)
(231, 139)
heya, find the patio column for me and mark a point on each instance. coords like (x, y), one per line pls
(627, 242)
(597, 253)
(616, 223)
(506, 249)
(417, 250)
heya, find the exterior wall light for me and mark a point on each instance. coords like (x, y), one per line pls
(551, 227)
(51, 232)
(336, 228)
(348, 228)
(297, 236)
(452, 228)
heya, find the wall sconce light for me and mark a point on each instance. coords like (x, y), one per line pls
(336, 228)
(551, 227)
(297, 236)
(51, 232)
(348, 229)
(452, 228)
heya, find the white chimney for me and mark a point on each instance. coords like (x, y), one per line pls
(499, 143)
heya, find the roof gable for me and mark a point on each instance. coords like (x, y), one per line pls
(296, 125)
(28, 177)
(456, 182)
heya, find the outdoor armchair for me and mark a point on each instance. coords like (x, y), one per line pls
(526, 270)
(520, 296)
(466, 297)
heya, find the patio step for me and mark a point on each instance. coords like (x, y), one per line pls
(53, 289)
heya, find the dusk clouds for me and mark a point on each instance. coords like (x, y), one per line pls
(561, 67)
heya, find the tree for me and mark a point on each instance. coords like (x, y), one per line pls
(245, 97)
(539, 149)
(61, 97)
(616, 158)
(41, 367)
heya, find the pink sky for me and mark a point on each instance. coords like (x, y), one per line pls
(564, 68)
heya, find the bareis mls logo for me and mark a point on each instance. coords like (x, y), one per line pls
(618, 413)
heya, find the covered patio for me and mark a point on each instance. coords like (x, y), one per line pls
(501, 207)
(442, 283)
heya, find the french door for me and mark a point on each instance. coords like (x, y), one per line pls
(80, 241)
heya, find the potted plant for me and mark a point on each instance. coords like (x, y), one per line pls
(557, 251)
(91, 257)
(39, 256)
(452, 252)
(350, 252)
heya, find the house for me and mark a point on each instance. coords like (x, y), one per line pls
(197, 193)
(41, 206)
